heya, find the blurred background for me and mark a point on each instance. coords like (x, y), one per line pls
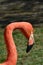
(23, 10)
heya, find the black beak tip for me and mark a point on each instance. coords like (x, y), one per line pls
(29, 47)
(27, 51)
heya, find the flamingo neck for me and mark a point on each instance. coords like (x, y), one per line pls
(11, 48)
(12, 52)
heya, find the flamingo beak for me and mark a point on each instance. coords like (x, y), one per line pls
(30, 43)
(29, 47)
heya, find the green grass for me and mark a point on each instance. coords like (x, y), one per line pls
(34, 57)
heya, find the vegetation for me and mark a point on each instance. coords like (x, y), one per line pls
(22, 10)
(34, 57)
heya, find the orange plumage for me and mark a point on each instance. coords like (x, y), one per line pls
(26, 29)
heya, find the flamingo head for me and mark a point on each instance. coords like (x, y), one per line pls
(30, 43)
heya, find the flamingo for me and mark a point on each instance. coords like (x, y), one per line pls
(27, 30)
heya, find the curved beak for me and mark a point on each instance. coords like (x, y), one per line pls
(30, 43)
(29, 47)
